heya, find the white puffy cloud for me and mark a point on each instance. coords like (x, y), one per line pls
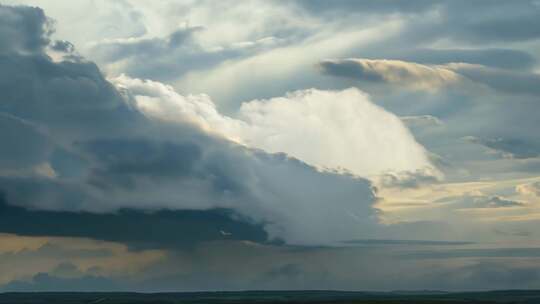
(339, 130)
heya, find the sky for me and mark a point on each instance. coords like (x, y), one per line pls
(234, 145)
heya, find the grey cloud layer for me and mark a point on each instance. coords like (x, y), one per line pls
(476, 22)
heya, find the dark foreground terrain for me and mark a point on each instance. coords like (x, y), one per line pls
(514, 296)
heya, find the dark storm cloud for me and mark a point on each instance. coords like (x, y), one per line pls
(71, 100)
(23, 145)
(161, 229)
(123, 160)
(71, 97)
(23, 29)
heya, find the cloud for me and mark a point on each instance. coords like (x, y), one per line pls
(502, 276)
(490, 57)
(379, 242)
(408, 74)
(495, 202)
(149, 166)
(416, 76)
(24, 145)
(463, 21)
(509, 147)
(421, 121)
(529, 189)
(510, 82)
(44, 282)
(27, 29)
(170, 57)
(335, 126)
(500, 22)
(480, 201)
(170, 229)
(104, 151)
(67, 257)
(52, 250)
(408, 179)
(98, 19)
(530, 252)
(384, 6)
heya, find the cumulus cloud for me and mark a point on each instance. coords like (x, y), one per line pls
(338, 130)
(341, 129)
